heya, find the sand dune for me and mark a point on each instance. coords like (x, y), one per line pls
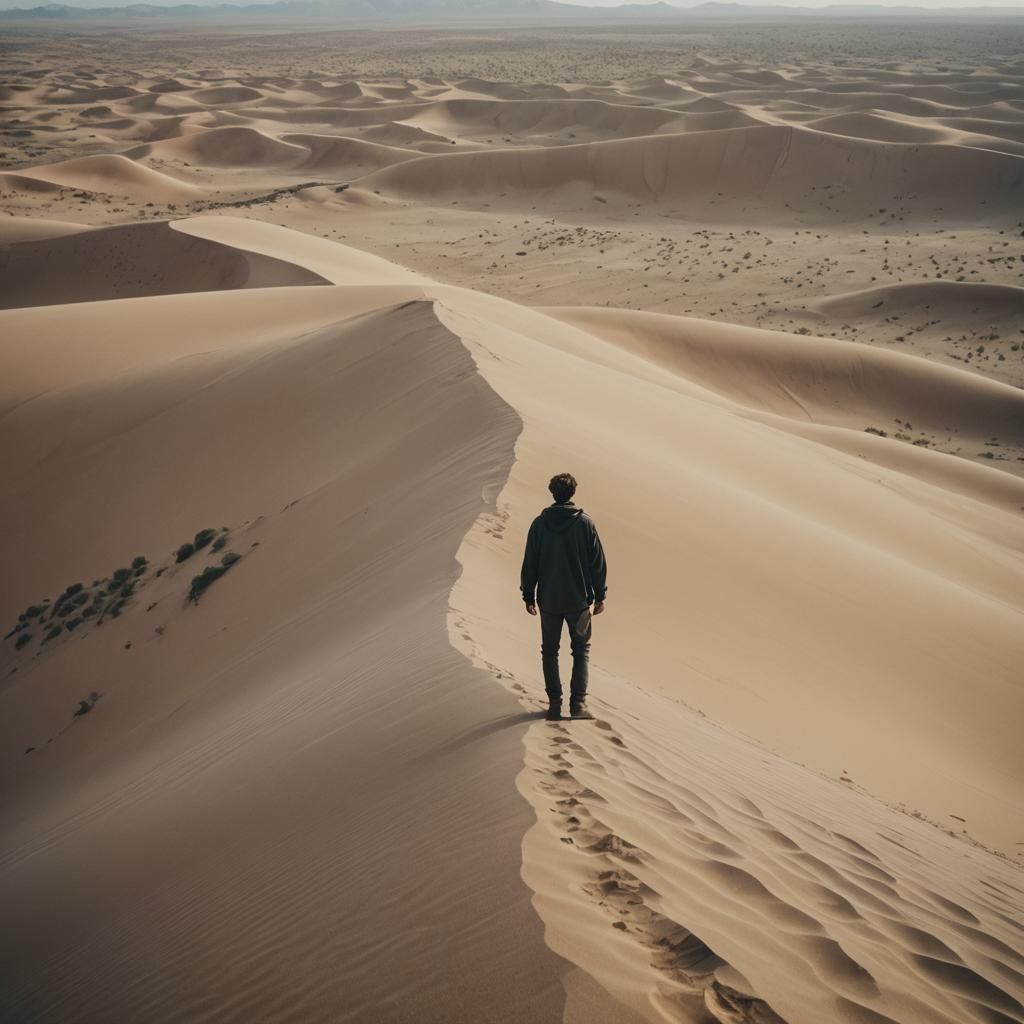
(342, 91)
(116, 175)
(823, 381)
(161, 103)
(200, 403)
(880, 128)
(630, 845)
(705, 105)
(225, 147)
(635, 841)
(335, 263)
(896, 103)
(132, 260)
(231, 146)
(169, 85)
(270, 713)
(352, 157)
(27, 183)
(338, 116)
(30, 229)
(95, 95)
(990, 127)
(982, 303)
(528, 118)
(400, 134)
(781, 163)
(694, 846)
(226, 95)
(888, 129)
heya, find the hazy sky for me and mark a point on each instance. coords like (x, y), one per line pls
(935, 4)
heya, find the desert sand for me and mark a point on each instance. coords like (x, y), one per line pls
(294, 328)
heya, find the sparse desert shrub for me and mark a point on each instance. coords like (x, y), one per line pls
(54, 632)
(185, 551)
(72, 623)
(33, 611)
(219, 543)
(210, 575)
(89, 612)
(875, 430)
(120, 575)
(80, 599)
(139, 562)
(203, 537)
(85, 706)
(22, 640)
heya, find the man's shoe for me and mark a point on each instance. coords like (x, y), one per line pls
(554, 713)
(579, 711)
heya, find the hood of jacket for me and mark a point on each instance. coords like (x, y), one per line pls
(558, 518)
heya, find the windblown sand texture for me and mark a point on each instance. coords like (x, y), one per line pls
(345, 301)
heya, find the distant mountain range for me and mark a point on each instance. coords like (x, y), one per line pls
(409, 9)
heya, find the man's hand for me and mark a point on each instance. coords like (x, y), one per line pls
(598, 607)
(532, 609)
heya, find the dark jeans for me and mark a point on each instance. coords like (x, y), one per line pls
(579, 639)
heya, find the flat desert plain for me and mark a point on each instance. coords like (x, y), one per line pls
(299, 319)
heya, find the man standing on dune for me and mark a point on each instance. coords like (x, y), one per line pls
(564, 573)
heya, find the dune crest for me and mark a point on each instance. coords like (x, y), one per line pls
(114, 175)
(133, 260)
(751, 163)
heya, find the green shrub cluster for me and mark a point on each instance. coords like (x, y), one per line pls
(210, 575)
(85, 706)
(78, 603)
(197, 543)
(203, 537)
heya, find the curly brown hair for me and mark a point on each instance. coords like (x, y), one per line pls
(562, 487)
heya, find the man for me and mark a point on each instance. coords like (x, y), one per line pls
(564, 573)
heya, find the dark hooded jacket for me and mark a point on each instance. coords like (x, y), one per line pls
(564, 568)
